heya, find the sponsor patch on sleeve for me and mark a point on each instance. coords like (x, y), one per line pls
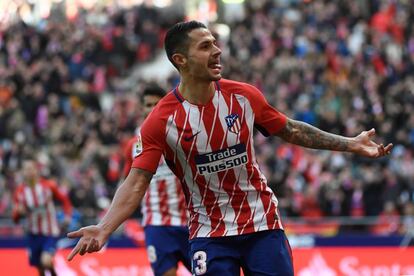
(137, 147)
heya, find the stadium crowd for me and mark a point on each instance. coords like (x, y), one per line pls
(344, 66)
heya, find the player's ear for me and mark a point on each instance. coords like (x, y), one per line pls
(179, 59)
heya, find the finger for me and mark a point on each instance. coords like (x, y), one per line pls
(96, 247)
(75, 234)
(91, 246)
(82, 250)
(381, 150)
(388, 148)
(371, 132)
(74, 251)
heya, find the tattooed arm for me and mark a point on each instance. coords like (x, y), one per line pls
(303, 134)
(127, 198)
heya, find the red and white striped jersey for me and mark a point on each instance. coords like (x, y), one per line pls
(164, 202)
(40, 208)
(210, 149)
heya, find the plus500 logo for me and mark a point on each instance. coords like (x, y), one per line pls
(221, 160)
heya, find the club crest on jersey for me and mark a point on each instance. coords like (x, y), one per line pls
(233, 123)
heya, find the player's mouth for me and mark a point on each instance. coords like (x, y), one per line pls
(215, 66)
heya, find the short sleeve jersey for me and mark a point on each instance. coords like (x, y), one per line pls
(163, 203)
(38, 201)
(210, 149)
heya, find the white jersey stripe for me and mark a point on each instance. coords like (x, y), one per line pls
(241, 172)
(254, 201)
(223, 199)
(33, 216)
(180, 157)
(200, 141)
(41, 199)
(216, 112)
(173, 202)
(229, 138)
(154, 202)
(29, 197)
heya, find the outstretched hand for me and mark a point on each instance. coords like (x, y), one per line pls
(92, 239)
(368, 148)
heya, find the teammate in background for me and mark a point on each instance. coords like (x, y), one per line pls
(33, 199)
(204, 129)
(163, 208)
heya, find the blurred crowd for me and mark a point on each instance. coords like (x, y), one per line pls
(343, 66)
(63, 100)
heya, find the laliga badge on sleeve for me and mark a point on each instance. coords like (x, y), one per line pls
(137, 148)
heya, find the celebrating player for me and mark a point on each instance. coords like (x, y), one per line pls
(33, 199)
(163, 208)
(204, 129)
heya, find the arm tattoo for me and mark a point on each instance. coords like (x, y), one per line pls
(303, 134)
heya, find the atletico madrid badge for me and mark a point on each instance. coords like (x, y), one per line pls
(233, 123)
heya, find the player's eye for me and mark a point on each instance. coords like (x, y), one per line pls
(205, 46)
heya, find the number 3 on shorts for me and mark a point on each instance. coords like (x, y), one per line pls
(201, 264)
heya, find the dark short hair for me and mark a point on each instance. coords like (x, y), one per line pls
(176, 39)
(152, 90)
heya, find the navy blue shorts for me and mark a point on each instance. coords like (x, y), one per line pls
(39, 244)
(260, 253)
(166, 246)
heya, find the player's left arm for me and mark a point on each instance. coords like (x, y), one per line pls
(303, 134)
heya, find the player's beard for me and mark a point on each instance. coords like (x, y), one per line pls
(203, 72)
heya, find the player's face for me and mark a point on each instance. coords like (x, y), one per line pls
(30, 170)
(203, 57)
(149, 102)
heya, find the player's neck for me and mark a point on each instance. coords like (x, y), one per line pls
(196, 91)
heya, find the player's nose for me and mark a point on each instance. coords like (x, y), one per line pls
(217, 51)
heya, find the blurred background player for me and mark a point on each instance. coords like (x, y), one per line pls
(163, 207)
(33, 199)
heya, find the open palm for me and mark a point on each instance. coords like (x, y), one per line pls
(365, 146)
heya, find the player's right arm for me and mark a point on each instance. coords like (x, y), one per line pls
(129, 194)
(127, 198)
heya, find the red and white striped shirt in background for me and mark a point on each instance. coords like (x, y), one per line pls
(163, 203)
(210, 148)
(39, 206)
